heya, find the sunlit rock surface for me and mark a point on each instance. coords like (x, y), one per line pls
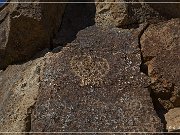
(160, 45)
(94, 84)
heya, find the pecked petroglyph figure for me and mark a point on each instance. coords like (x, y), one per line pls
(90, 69)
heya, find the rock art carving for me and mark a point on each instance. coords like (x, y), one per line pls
(90, 69)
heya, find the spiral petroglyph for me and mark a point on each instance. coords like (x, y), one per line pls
(90, 69)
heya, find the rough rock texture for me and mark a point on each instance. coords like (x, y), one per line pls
(123, 14)
(111, 13)
(19, 85)
(173, 120)
(95, 84)
(27, 28)
(80, 16)
(160, 45)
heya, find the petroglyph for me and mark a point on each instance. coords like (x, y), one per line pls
(90, 69)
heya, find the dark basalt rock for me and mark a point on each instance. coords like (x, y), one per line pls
(94, 84)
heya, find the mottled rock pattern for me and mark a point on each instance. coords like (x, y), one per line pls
(19, 85)
(160, 49)
(123, 14)
(111, 13)
(26, 28)
(80, 16)
(173, 120)
(95, 84)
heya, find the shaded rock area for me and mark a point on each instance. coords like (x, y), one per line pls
(123, 15)
(94, 84)
(26, 28)
(160, 46)
(168, 10)
(76, 17)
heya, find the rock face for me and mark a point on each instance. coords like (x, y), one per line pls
(173, 120)
(93, 81)
(27, 28)
(94, 84)
(80, 16)
(19, 85)
(111, 13)
(123, 14)
(161, 48)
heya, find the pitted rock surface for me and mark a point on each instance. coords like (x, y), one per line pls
(26, 28)
(161, 48)
(119, 103)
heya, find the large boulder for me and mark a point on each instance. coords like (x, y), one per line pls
(19, 86)
(26, 28)
(95, 85)
(160, 45)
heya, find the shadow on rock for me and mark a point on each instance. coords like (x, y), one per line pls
(76, 17)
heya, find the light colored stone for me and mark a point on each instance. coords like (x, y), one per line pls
(125, 15)
(173, 119)
(114, 14)
(19, 85)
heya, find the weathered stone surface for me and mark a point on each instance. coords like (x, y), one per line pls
(95, 84)
(173, 120)
(111, 13)
(123, 14)
(161, 48)
(26, 28)
(19, 85)
(79, 16)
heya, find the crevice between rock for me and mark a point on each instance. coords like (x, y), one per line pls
(52, 46)
(144, 69)
(28, 121)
